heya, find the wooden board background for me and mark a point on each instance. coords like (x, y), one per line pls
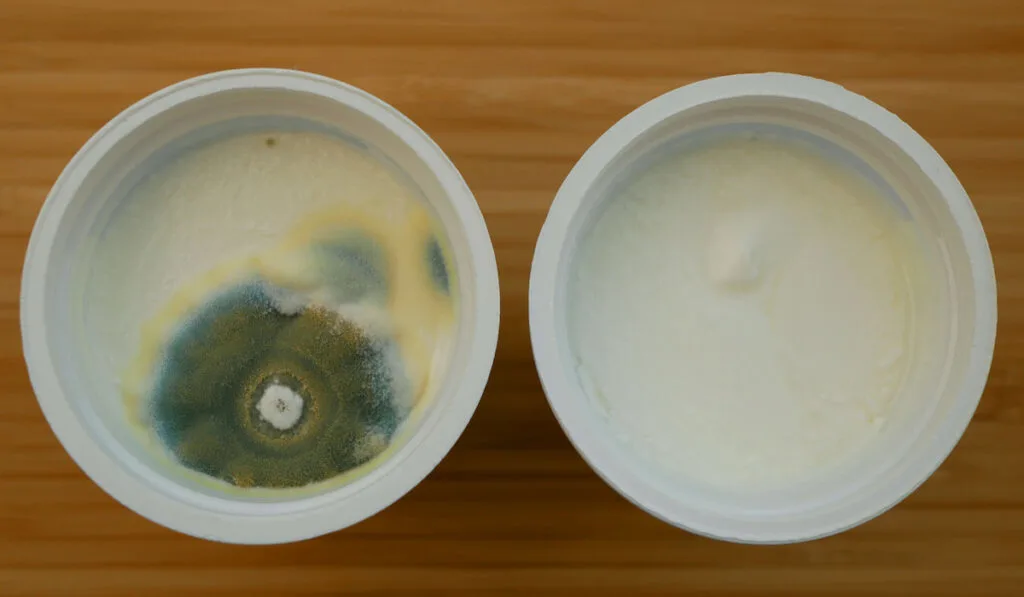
(515, 92)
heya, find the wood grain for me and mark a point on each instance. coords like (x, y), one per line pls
(515, 92)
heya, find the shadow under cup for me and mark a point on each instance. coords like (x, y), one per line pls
(83, 402)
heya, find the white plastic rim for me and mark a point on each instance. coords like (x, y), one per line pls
(223, 519)
(557, 368)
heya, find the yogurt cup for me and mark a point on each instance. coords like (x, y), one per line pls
(215, 105)
(927, 419)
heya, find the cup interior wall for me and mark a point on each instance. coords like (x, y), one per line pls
(944, 327)
(92, 392)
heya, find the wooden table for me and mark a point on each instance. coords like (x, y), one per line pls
(515, 92)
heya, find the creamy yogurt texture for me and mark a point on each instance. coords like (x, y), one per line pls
(742, 312)
(275, 308)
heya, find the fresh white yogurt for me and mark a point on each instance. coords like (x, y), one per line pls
(743, 312)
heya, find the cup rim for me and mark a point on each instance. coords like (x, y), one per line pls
(557, 373)
(330, 512)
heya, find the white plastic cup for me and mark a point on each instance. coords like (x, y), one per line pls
(83, 194)
(924, 428)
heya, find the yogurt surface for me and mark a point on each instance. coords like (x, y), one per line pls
(274, 309)
(743, 312)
